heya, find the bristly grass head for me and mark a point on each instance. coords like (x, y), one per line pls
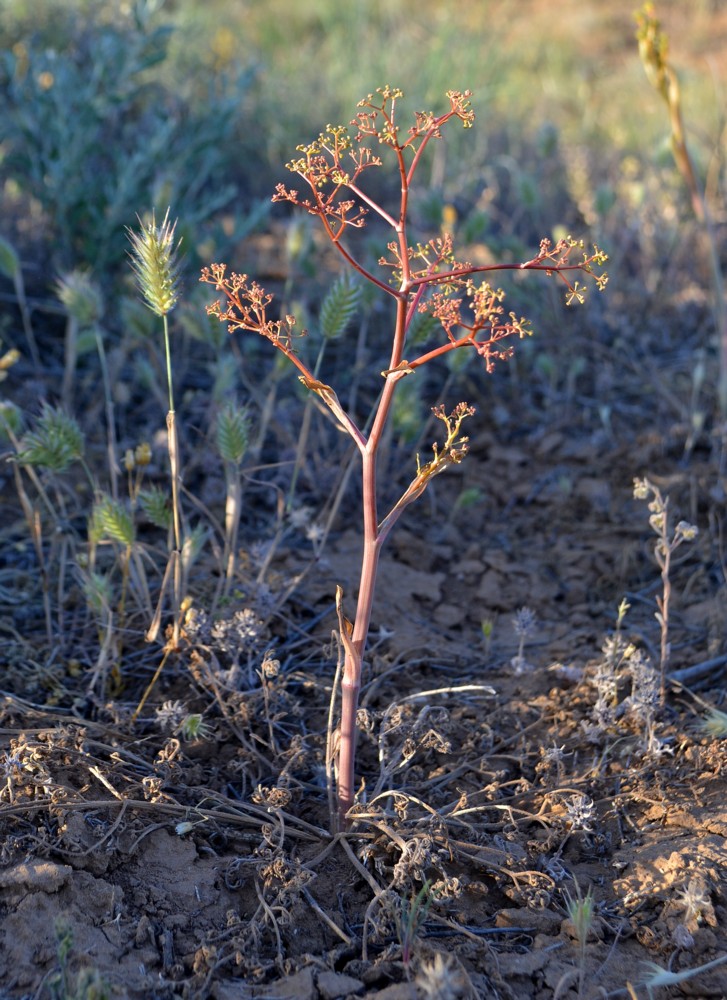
(233, 433)
(154, 258)
(111, 520)
(55, 443)
(81, 297)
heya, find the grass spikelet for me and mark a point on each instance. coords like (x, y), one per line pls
(233, 433)
(55, 443)
(339, 307)
(81, 297)
(155, 504)
(111, 520)
(9, 260)
(154, 260)
(715, 724)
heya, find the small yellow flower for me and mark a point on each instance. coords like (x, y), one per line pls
(142, 453)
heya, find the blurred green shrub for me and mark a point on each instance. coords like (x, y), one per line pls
(94, 129)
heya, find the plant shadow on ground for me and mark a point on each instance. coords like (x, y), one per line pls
(185, 852)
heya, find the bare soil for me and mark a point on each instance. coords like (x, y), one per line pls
(140, 865)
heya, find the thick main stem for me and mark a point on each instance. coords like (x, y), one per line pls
(372, 542)
(353, 662)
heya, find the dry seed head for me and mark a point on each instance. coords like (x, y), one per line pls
(154, 259)
(695, 901)
(439, 979)
(270, 667)
(715, 724)
(580, 911)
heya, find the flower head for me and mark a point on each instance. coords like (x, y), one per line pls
(524, 622)
(154, 259)
(81, 297)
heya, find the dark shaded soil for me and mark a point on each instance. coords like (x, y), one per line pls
(202, 868)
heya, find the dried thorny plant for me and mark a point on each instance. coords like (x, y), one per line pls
(668, 542)
(422, 279)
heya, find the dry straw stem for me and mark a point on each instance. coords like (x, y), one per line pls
(422, 279)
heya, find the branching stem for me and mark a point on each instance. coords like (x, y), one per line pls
(424, 279)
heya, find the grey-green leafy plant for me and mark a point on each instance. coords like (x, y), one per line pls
(90, 127)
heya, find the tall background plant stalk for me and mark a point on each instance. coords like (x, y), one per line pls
(654, 50)
(421, 278)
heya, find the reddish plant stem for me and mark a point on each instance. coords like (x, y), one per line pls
(353, 662)
(320, 167)
(372, 543)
